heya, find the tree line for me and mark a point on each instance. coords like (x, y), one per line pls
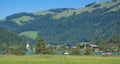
(111, 44)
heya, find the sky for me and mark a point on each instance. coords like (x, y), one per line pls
(8, 7)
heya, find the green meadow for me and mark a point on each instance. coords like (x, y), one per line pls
(30, 34)
(58, 59)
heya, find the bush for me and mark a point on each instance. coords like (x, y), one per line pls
(76, 52)
(89, 51)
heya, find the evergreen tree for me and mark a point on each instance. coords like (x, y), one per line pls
(40, 48)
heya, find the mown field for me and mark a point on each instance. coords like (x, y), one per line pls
(58, 59)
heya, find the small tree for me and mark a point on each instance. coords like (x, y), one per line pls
(88, 50)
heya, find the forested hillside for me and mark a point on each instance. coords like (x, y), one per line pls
(9, 38)
(96, 21)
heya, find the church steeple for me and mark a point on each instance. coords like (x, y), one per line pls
(28, 47)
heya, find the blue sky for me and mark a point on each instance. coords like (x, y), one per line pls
(8, 7)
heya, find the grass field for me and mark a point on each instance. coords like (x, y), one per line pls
(59, 59)
(30, 34)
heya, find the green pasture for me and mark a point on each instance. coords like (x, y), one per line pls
(58, 59)
(30, 34)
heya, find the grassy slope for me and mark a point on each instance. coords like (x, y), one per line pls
(87, 9)
(47, 59)
(22, 19)
(70, 12)
(30, 34)
(43, 12)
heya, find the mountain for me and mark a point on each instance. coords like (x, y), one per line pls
(96, 21)
(9, 38)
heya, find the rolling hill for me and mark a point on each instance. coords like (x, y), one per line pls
(96, 21)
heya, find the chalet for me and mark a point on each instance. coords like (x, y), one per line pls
(83, 46)
(71, 46)
(94, 47)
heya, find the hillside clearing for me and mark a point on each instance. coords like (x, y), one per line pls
(30, 34)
